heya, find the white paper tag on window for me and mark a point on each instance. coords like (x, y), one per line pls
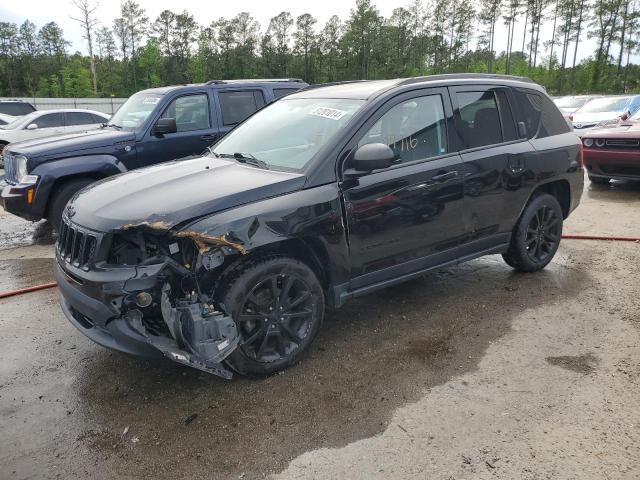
(332, 113)
(150, 100)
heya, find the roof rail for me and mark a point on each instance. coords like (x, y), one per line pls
(445, 76)
(239, 80)
(330, 84)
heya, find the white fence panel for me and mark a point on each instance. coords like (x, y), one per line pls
(105, 105)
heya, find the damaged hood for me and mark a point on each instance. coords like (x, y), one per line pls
(174, 192)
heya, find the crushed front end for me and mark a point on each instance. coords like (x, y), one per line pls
(146, 290)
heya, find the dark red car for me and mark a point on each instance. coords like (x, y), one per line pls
(613, 153)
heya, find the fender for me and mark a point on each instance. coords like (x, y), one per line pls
(92, 166)
(312, 216)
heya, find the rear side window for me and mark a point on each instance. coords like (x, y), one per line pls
(79, 118)
(283, 92)
(479, 118)
(238, 105)
(16, 108)
(50, 120)
(539, 114)
(414, 129)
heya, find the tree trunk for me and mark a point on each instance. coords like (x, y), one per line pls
(575, 50)
(622, 35)
(553, 34)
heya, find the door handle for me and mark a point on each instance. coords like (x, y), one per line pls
(208, 138)
(443, 177)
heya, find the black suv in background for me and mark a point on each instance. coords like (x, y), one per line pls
(227, 260)
(16, 108)
(153, 126)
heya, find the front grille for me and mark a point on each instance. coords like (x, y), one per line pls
(76, 245)
(9, 169)
(618, 142)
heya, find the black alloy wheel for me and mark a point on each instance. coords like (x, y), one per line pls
(276, 317)
(536, 237)
(543, 234)
(277, 303)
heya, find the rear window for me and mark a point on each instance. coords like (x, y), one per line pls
(479, 118)
(539, 114)
(238, 105)
(16, 108)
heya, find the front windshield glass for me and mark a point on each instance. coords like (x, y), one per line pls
(571, 102)
(616, 104)
(135, 111)
(288, 133)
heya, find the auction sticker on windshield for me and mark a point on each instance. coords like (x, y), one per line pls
(327, 112)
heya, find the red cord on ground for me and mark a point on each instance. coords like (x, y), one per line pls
(20, 291)
(601, 237)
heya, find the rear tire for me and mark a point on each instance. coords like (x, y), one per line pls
(536, 238)
(61, 197)
(277, 303)
(599, 180)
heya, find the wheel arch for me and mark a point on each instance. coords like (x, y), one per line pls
(308, 250)
(57, 172)
(560, 189)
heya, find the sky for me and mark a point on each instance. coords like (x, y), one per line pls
(61, 11)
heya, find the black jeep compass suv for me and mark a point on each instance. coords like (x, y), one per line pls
(226, 262)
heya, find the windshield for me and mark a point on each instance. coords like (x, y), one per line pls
(616, 104)
(571, 102)
(135, 111)
(288, 133)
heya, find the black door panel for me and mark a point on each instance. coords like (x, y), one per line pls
(405, 213)
(496, 161)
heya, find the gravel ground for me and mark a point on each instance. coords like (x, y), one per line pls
(468, 372)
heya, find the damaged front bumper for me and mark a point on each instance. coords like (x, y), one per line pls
(101, 305)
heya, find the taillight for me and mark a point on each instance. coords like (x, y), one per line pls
(571, 117)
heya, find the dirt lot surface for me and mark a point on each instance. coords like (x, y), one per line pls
(470, 372)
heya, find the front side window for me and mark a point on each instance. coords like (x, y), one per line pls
(236, 106)
(50, 120)
(479, 118)
(135, 111)
(414, 129)
(79, 118)
(191, 112)
(288, 133)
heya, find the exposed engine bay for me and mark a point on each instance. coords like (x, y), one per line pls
(168, 300)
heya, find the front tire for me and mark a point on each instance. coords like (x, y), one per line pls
(61, 197)
(277, 303)
(536, 238)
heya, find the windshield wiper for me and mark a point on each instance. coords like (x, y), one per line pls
(104, 125)
(246, 158)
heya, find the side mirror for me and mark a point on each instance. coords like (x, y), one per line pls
(372, 156)
(164, 126)
(32, 126)
(522, 130)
